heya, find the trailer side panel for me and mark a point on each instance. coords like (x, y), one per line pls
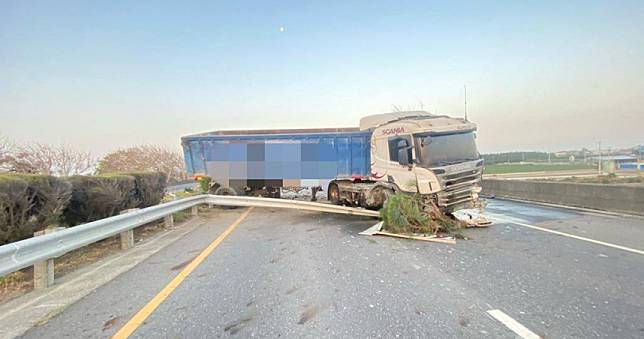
(278, 160)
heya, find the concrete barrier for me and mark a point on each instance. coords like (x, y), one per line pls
(622, 198)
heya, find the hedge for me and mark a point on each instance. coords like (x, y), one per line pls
(98, 197)
(29, 203)
(150, 187)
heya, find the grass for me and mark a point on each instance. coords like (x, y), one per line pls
(526, 168)
(180, 216)
(603, 179)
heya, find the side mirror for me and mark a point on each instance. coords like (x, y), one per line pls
(403, 156)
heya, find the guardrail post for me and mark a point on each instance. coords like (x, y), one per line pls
(169, 220)
(194, 211)
(44, 270)
(127, 237)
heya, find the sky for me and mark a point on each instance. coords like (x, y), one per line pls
(101, 75)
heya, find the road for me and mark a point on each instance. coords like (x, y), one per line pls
(303, 274)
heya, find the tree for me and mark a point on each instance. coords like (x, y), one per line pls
(7, 150)
(51, 160)
(145, 158)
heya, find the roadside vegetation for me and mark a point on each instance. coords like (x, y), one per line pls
(36, 158)
(18, 283)
(533, 167)
(62, 160)
(144, 158)
(516, 157)
(30, 203)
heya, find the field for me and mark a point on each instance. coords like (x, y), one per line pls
(604, 179)
(523, 168)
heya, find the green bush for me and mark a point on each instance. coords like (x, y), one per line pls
(149, 187)
(98, 197)
(204, 183)
(50, 197)
(30, 203)
(15, 206)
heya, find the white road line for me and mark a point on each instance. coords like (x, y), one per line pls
(619, 247)
(512, 324)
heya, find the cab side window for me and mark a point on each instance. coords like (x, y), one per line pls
(400, 143)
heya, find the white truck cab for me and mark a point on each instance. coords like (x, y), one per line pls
(418, 152)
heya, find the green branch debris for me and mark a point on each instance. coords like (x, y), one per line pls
(413, 215)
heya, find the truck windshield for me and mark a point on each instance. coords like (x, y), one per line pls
(445, 149)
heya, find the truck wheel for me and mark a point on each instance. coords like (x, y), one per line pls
(226, 191)
(377, 197)
(334, 194)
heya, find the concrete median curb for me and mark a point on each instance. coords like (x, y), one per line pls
(617, 198)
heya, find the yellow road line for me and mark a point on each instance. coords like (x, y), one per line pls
(145, 312)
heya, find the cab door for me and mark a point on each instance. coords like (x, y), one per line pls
(401, 162)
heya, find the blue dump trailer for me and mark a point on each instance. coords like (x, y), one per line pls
(412, 152)
(262, 161)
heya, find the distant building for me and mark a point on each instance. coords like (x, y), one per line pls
(612, 163)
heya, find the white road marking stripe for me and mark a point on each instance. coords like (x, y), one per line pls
(619, 247)
(512, 324)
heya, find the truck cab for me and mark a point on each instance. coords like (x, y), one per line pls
(419, 152)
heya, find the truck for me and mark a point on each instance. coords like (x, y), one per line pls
(412, 152)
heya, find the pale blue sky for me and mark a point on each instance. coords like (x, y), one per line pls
(101, 75)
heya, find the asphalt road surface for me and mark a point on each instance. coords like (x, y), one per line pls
(299, 274)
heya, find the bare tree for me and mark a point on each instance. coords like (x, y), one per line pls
(146, 158)
(69, 161)
(7, 149)
(51, 160)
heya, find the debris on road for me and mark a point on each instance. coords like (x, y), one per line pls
(377, 230)
(412, 217)
(473, 218)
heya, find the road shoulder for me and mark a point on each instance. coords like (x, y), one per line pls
(37, 307)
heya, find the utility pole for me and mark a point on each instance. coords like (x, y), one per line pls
(599, 163)
(465, 89)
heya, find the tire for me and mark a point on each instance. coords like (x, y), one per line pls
(378, 197)
(223, 190)
(333, 194)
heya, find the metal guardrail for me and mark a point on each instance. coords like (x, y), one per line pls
(24, 253)
(182, 187)
(223, 200)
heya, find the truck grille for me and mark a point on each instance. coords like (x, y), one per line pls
(459, 186)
